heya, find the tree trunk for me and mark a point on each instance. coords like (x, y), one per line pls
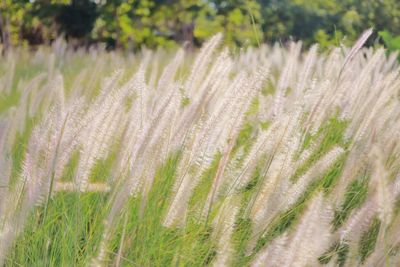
(5, 34)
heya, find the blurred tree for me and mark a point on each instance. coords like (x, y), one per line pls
(327, 21)
(122, 23)
(76, 19)
(299, 19)
(240, 20)
(12, 15)
(153, 23)
(361, 14)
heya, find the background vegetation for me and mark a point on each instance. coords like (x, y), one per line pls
(280, 155)
(155, 23)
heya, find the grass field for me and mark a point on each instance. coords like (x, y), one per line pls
(272, 156)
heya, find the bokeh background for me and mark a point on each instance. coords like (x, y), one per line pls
(131, 24)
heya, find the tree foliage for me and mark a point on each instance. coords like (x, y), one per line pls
(154, 23)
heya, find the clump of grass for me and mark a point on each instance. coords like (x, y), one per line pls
(272, 157)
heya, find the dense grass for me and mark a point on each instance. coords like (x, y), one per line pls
(281, 175)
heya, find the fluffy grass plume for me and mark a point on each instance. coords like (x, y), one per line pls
(275, 156)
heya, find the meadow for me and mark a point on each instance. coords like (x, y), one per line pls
(270, 156)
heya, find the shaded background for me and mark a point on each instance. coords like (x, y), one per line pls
(130, 24)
